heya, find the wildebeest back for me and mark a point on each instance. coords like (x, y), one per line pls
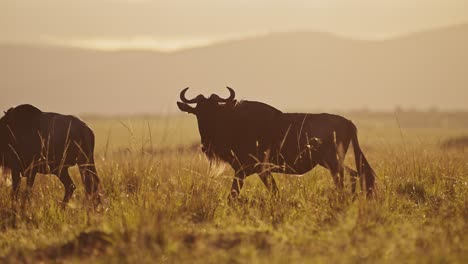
(62, 138)
(300, 141)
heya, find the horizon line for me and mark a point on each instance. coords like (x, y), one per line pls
(174, 45)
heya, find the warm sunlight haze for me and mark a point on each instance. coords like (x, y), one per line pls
(118, 49)
(233, 131)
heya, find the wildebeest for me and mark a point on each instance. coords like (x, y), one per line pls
(32, 141)
(254, 137)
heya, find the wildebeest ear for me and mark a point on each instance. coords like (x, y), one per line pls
(186, 108)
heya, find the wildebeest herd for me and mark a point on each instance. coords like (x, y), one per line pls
(252, 137)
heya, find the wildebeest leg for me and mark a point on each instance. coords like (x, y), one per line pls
(334, 159)
(90, 180)
(269, 182)
(67, 184)
(354, 176)
(341, 177)
(237, 184)
(336, 171)
(333, 172)
(16, 180)
(29, 183)
(30, 179)
(88, 171)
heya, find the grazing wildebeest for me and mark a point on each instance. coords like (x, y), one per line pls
(32, 141)
(254, 137)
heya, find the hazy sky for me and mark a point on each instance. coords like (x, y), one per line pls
(176, 23)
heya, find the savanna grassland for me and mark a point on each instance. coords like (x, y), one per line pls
(162, 202)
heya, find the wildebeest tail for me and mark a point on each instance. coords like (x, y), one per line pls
(365, 171)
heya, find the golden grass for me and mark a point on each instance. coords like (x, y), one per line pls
(162, 203)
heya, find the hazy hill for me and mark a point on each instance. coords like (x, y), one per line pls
(293, 71)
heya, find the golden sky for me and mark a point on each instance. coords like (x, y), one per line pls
(175, 24)
(422, 70)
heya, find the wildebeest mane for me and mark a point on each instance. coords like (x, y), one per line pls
(253, 107)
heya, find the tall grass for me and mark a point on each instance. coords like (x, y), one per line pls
(163, 203)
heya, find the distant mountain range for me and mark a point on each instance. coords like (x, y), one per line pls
(301, 71)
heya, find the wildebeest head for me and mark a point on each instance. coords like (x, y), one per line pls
(7, 125)
(20, 119)
(210, 112)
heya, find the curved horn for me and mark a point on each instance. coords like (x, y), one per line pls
(191, 101)
(231, 97)
(232, 94)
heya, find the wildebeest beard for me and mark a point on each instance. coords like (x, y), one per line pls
(216, 155)
(215, 144)
(217, 163)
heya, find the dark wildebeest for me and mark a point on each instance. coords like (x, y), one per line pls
(254, 137)
(32, 141)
